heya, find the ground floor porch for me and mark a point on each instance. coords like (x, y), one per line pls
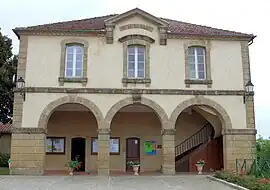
(136, 132)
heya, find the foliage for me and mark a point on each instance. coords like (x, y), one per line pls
(8, 65)
(74, 164)
(263, 148)
(243, 180)
(200, 162)
(4, 159)
(133, 163)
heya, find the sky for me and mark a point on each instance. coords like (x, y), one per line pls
(246, 16)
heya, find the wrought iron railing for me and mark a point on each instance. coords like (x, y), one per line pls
(196, 139)
(255, 167)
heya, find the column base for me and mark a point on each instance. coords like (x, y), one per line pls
(168, 170)
(27, 151)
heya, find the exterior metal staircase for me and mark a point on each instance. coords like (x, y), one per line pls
(202, 136)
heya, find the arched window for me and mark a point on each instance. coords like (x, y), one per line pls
(196, 59)
(74, 61)
(136, 61)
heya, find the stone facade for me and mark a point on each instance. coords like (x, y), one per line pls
(105, 90)
(27, 151)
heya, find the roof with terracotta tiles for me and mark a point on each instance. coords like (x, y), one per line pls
(98, 24)
(5, 128)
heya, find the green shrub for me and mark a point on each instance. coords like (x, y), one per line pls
(246, 181)
(4, 159)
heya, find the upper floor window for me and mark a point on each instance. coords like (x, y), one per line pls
(196, 57)
(136, 61)
(74, 61)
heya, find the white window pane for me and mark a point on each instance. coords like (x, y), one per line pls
(141, 57)
(79, 57)
(70, 50)
(79, 50)
(201, 75)
(191, 51)
(69, 64)
(192, 74)
(191, 59)
(78, 73)
(200, 59)
(201, 67)
(141, 65)
(68, 72)
(141, 73)
(131, 50)
(131, 57)
(200, 51)
(78, 64)
(192, 67)
(141, 50)
(69, 57)
(131, 65)
(131, 73)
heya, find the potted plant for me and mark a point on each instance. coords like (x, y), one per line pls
(72, 165)
(200, 165)
(135, 165)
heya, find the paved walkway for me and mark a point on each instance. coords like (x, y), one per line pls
(181, 182)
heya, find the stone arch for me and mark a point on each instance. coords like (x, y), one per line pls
(221, 112)
(49, 109)
(129, 101)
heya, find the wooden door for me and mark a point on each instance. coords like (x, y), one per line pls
(132, 151)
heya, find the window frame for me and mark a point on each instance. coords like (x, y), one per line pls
(136, 62)
(141, 41)
(54, 138)
(74, 60)
(62, 79)
(196, 63)
(206, 44)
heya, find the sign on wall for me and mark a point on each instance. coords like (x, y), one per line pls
(150, 148)
(114, 145)
(55, 145)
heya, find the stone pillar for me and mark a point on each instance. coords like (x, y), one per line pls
(103, 161)
(249, 100)
(238, 144)
(27, 151)
(168, 148)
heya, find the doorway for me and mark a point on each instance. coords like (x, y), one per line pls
(78, 151)
(133, 151)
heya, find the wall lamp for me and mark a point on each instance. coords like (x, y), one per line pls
(20, 86)
(248, 90)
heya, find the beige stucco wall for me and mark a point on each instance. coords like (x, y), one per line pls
(5, 143)
(167, 66)
(33, 107)
(187, 125)
(145, 126)
(71, 124)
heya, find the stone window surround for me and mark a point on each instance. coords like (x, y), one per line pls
(136, 40)
(199, 43)
(62, 79)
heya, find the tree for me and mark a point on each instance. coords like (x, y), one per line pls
(8, 65)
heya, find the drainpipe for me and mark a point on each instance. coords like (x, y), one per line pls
(251, 40)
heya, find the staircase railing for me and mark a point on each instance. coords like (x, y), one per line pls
(196, 139)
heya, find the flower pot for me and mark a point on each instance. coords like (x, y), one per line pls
(136, 169)
(199, 168)
(71, 171)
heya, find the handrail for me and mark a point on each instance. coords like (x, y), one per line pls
(197, 138)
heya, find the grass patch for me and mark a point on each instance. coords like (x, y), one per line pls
(246, 181)
(4, 171)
